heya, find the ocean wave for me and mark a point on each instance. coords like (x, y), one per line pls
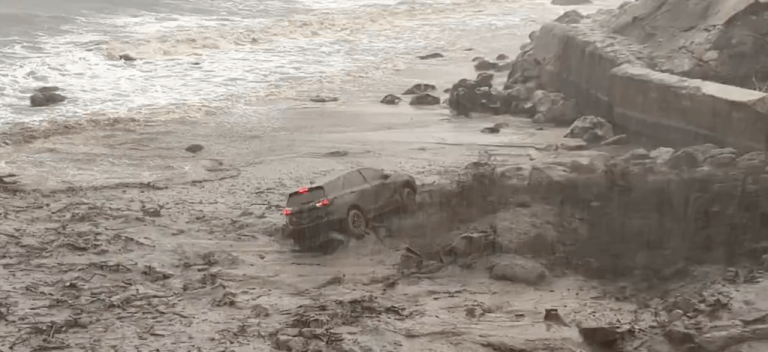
(229, 62)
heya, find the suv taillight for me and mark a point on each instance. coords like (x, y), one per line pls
(323, 203)
(286, 212)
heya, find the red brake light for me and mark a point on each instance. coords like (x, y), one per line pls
(303, 190)
(323, 202)
(286, 212)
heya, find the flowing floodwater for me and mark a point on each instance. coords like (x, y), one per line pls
(233, 58)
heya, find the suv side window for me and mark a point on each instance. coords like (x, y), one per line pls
(353, 180)
(372, 174)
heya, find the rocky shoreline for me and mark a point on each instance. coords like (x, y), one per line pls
(584, 240)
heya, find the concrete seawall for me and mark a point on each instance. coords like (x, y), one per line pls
(608, 76)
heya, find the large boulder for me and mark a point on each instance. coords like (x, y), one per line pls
(45, 96)
(591, 129)
(519, 269)
(552, 108)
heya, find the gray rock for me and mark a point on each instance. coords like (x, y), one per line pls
(420, 88)
(425, 99)
(586, 124)
(323, 99)
(661, 155)
(390, 99)
(431, 56)
(637, 154)
(721, 161)
(45, 96)
(684, 159)
(519, 269)
(485, 65)
(570, 17)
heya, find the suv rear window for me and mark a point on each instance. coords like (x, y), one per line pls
(296, 199)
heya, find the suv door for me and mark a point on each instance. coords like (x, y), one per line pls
(360, 191)
(384, 193)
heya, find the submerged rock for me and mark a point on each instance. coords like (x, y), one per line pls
(420, 88)
(45, 96)
(391, 99)
(323, 99)
(485, 65)
(194, 148)
(431, 56)
(425, 99)
(127, 57)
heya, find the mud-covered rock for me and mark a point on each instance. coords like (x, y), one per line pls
(323, 99)
(45, 96)
(662, 154)
(484, 79)
(552, 107)
(490, 130)
(519, 269)
(194, 148)
(431, 56)
(485, 65)
(420, 88)
(754, 161)
(684, 159)
(607, 337)
(473, 244)
(469, 96)
(127, 57)
(391, 99)
(425, 99)
(570, 17)
(721, 161)
(591, 129)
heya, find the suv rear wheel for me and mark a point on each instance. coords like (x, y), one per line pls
(355, 224)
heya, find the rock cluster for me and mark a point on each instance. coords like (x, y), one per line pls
(46, 96)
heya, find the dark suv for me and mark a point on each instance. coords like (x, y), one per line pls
(345, 203)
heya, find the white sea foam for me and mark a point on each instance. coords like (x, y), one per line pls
(232, 57)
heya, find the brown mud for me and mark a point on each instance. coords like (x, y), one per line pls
(116, 239)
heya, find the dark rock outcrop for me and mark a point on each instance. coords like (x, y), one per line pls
(46, 96)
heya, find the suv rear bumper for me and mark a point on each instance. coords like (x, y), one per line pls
(318, 228)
